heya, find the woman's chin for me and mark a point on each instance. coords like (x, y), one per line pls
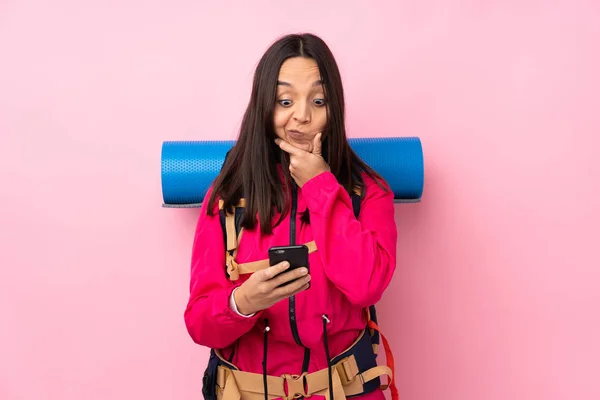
(303, 145)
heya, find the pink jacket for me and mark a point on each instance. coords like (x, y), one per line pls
(353, 265)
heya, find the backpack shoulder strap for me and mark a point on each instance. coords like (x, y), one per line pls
(370, 311)
(357, 194)
(231, 224)
(356, 198)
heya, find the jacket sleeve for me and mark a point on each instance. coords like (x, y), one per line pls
(208, 316)
(359, 256)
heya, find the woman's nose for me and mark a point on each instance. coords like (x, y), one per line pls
(302, 113)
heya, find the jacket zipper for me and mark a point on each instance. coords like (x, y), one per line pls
(292, 300)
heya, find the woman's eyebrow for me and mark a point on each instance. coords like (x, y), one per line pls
(283, 83)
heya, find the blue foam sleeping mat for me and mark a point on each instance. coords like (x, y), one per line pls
(188, 168)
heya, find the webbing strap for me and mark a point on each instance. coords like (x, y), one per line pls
(230, 229)
(347, 381)
(371, 329)
(241, 203)
(234, 270)
(389, 357)
(233, 239)
(376, 372)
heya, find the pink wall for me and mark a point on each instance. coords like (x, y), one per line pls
(496, 295)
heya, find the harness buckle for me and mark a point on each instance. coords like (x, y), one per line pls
(295, 386)
(347, 370)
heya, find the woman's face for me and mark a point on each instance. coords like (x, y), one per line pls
(300, 110)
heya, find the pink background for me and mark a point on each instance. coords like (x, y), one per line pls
(496, 294)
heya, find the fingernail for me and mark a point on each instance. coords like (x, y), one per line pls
(286, 264)
(303, 271)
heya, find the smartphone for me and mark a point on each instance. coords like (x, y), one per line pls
(296, 255)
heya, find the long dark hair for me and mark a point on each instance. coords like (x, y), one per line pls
(250, 170)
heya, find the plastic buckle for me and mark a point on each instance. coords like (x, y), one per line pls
(295, 386)
(346, 372)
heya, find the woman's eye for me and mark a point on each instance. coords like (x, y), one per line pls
(319, 102)
(285, 103)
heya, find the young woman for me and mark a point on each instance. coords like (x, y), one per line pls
(279, 332)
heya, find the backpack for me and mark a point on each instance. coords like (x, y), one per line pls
(231, 220)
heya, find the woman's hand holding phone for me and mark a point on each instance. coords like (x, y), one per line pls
(269, 286)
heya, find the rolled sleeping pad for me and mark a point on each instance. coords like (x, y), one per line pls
(188, 168)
